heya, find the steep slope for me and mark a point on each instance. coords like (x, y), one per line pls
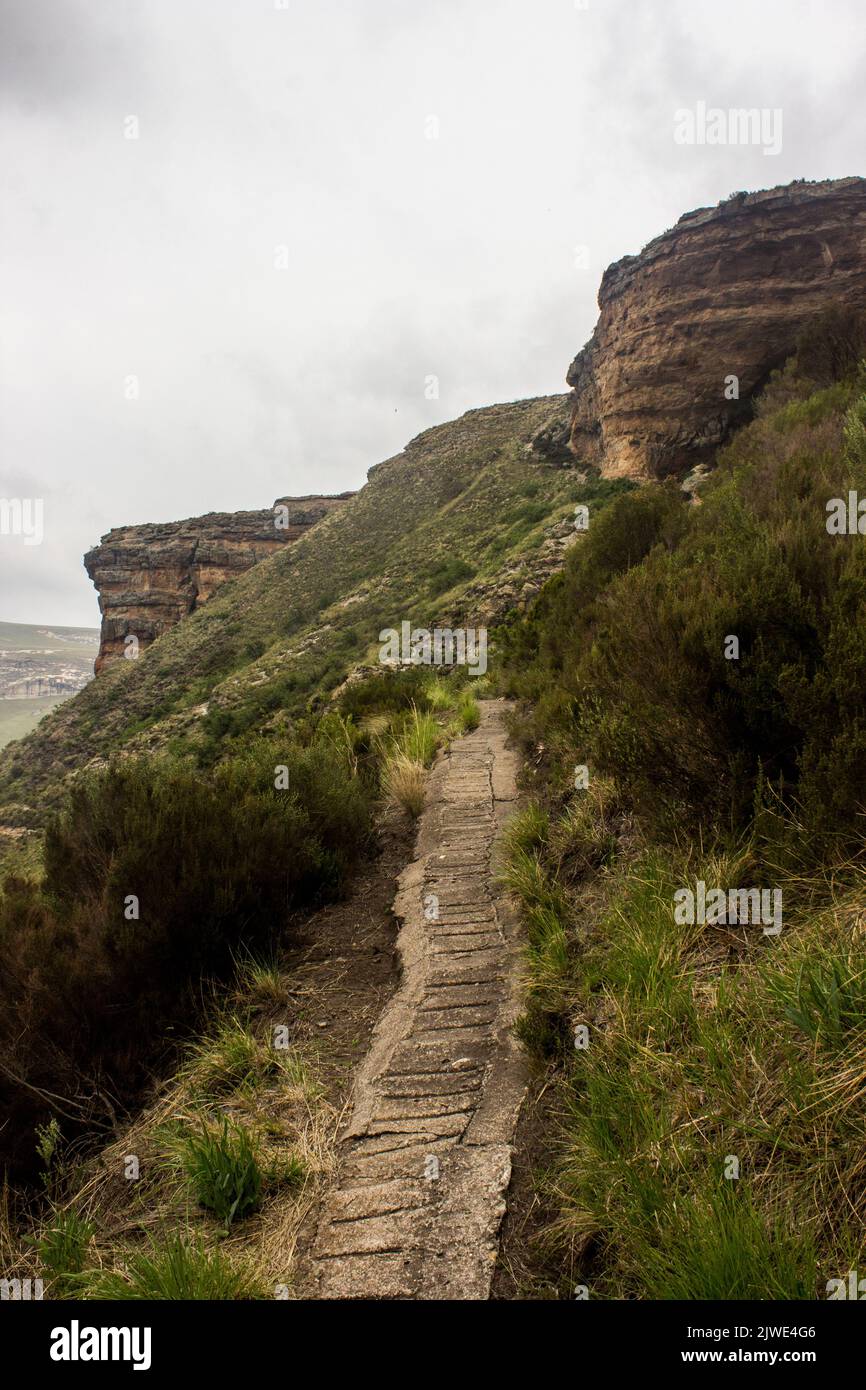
(467, 522)
(723, 294)
(464, 523)
(696, 1131)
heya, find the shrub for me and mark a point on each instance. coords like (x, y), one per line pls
(528, 830)
(438, 695)
(564, 615)
(584, 837)
(385, 691)
(468, 712)
(542, 1027)
(229, 850)
(89, 1000)
(229, 1061)
(48, 1139)
(529, 512)
(418, 736)
(627, 649)
(446, 573)
(260, 979)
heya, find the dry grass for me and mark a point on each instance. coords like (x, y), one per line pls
(274, 1094)
(403, 780)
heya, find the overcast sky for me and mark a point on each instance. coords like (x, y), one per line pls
(328, 202)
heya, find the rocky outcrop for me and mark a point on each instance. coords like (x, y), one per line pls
(722, 295)
(149, 577)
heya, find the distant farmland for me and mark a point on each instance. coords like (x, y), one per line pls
(39, 668)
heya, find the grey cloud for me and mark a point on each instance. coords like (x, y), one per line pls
(305, 127)
(53, 54)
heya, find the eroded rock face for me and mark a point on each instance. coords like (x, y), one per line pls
(149, 577)
(724, 294)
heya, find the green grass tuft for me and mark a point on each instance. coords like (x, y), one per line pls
(178, 1268)
(223, 1170)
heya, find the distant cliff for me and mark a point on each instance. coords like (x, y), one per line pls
(465, 524)
(722, 295)
(688, 332)
(149, 577)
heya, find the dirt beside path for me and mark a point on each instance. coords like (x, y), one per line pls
(426, 1154)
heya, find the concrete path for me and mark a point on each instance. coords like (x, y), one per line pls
(426, 1156)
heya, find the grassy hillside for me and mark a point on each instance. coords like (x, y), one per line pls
(701, 1094)
(691, 704)
(444, 530)
(167, 878)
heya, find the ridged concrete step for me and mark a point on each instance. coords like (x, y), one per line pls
(426, 1158)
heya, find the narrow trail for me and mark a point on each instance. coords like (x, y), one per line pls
(426, 1156)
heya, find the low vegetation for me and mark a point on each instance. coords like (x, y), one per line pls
(706, 1074)
(154, 876)
(176, 1268)
(270, 648)
(202, 1193)
(223, 1170)
(175, 892)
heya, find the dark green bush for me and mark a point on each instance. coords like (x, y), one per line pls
(386, 691)
(155, 876)
(530, 512)
(625, 652)
(548, 640)
(447, 572)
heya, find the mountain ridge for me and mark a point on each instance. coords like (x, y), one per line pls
(427, 526)
(469, 519)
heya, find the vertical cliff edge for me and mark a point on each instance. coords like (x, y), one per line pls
(691, 328)
(149, 577)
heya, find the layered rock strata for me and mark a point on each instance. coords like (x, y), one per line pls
(149, 577)
(691, 328)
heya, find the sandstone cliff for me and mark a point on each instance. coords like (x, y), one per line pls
(149, 577)
(723, 294)
(469, 519)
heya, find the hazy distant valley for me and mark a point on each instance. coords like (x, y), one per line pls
(39, 668)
